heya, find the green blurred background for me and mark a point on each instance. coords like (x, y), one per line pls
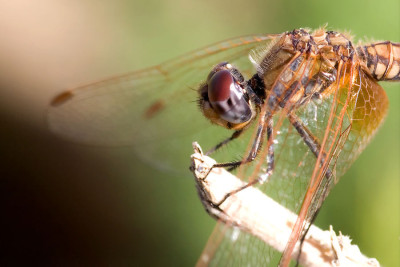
(66, 204)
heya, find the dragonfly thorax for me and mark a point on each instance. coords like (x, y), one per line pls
(301, 66)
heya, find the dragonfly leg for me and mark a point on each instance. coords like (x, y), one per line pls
(311, 141)
(252, 155)
(270, 155)
(235, 135)
(254, 149)
(251, 183)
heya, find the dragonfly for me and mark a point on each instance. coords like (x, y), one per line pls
(297, 108)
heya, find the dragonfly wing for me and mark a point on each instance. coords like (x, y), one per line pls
(359, 107)
(153, 110)
(230, 246)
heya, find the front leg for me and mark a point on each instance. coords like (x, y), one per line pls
(252, 155)
(235, 135)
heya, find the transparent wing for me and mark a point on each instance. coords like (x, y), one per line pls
(153, 110)
(359, 107)
(344, 122)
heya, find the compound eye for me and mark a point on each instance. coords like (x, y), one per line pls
(219, 86)
(227, 99)
(217, 68)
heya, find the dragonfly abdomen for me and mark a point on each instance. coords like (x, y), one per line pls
(382, 60)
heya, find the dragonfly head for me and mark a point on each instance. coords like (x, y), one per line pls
(223, 98)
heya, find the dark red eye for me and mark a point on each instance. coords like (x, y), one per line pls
(226, 97)
(219, 86)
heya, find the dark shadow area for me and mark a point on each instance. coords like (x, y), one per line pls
(64, 206)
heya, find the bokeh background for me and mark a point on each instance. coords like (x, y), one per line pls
(65, 204)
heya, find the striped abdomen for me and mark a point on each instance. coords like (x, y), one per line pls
(382, 60)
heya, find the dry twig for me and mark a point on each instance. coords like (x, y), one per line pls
(254, 212)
